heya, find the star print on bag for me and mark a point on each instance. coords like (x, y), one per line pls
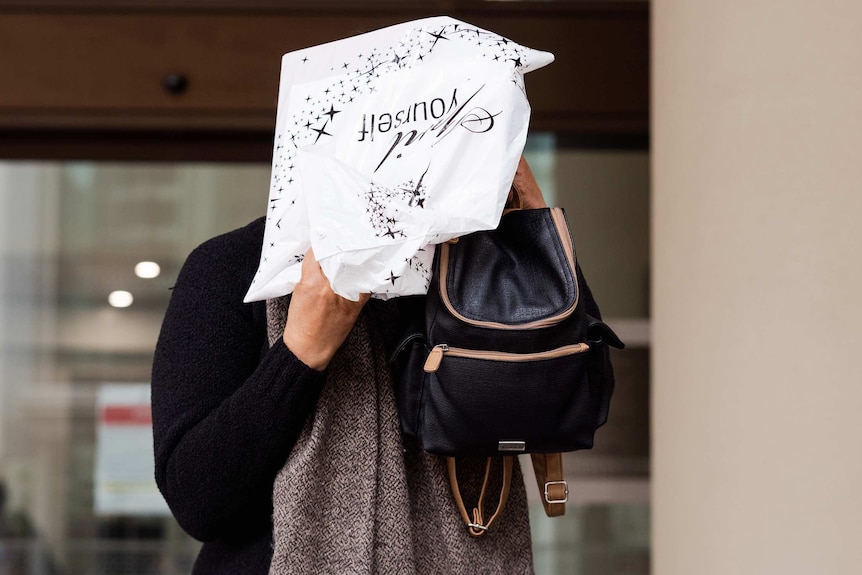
(387, 143)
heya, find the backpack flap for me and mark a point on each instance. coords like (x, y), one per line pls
(520, 276)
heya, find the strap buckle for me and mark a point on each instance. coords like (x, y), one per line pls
(477, 526)
(565, 497)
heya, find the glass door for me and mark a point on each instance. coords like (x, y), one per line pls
(88, 254)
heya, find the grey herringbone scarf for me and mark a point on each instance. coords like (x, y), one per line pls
(354, 499)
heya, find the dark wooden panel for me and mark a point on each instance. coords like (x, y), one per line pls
(109, 62)
(452, 7)
(130, 146)
(104, 71)
(206, 146)
(600, 78)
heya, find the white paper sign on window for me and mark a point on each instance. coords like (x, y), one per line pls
(125, 483)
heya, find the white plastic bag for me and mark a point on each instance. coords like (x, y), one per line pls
(387, 143)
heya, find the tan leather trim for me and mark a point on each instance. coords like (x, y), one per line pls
(507, 356)
(476, 526)
(566, 240)
(568, 248)
(432, 363)
(456, 491)
(548, 468)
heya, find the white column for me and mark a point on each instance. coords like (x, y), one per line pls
(757, 287)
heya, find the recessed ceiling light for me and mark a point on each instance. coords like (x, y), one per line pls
(120, 298)
(147, 270)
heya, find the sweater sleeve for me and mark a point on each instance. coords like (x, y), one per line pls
(225, 417)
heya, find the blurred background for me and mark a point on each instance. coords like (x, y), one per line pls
(133, 130)
(707, 154)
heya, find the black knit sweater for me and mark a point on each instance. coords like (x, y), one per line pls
(227, 409)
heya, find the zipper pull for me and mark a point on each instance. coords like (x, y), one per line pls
(435, 357)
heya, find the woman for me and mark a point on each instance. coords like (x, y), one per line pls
(276, 437)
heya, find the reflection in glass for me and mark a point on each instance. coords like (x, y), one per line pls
(72, 233)
(77, 321)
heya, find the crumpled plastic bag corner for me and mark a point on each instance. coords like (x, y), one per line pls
(386, 144)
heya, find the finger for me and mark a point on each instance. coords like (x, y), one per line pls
(309, 256)
(528, 189)
(524, 175)
(310, 266)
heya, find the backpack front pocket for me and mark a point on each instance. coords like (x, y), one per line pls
(487, 402)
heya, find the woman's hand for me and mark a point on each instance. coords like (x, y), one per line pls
(318, 319)
(529, 196)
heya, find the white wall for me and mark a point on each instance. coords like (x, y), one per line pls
(757, 320)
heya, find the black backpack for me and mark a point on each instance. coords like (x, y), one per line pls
(512, 356)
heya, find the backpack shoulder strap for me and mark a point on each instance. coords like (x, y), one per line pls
(476, 525)
(553, 489)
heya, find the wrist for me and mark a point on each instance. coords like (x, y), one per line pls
(315, 359)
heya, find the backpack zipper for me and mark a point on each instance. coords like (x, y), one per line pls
(565, 240)
(432, 364)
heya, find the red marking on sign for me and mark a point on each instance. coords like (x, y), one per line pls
(127, 415)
